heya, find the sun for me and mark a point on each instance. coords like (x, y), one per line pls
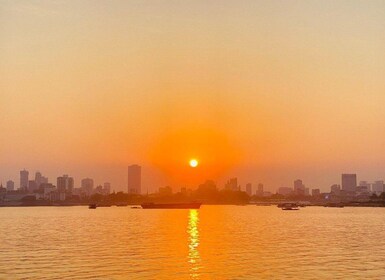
(193, 162)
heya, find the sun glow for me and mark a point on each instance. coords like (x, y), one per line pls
(193, 163)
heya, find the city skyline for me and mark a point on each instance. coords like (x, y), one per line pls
(347, 182)
(249, 92)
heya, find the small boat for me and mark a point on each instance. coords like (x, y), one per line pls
(122, 204)
(136, 207)
(151, 205)
(337, 205)
(92, 206)
(288, 206)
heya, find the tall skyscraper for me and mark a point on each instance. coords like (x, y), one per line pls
(38, 179)
(10, 185)
(24, 179)
(134, 179)
(32, 186)
(299, 187)
(259, 191)
(249, 189)
(87, 185)
(65, 184)
(232, 184)
(349, 182)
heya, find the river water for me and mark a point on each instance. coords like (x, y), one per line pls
(215, 242)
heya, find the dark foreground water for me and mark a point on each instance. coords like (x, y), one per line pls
(215, 242)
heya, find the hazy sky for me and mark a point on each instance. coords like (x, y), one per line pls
(269, 91)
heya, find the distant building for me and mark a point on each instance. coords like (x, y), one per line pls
(365, 184)
(65, 184)
(299, 187)
(349, 182)
(32, 186)
(259, 191)
(134, 179)
(232, 184)
(87, 185)
(249, 189)
(307, 191)
(99, 189)
(38, 178)
(335, 189)
(315, 192)
(165, 190)
(24, 179)
(107, 188)
(378, 187)
(10, 185)
(285, 191)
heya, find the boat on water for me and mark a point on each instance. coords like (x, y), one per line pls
(288, 206)
(92, 206)
(191, 205)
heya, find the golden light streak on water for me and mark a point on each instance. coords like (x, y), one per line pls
(193, 231)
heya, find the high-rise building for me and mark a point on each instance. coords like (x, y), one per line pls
(32, 186)
(249, 189)
(259, 190)
(10, 185)
(315, 192)
(87, 185)
(24, 179)
(378, 187)
(299, 187)
(134, 179)
(335, 189)
(349, 182)
(38, 178)
(65, 184)
(107, 188)
(232, 184)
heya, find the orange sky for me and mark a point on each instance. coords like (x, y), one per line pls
(268, 91)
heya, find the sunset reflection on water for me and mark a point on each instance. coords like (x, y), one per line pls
(193, 239)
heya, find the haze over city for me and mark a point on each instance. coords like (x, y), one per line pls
(266, 91)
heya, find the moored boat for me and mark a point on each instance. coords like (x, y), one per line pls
(92, 206)
(288, 206)
(151, 205)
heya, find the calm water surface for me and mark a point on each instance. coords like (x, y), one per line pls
(215, 242)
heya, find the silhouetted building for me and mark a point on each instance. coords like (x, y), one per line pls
(259, 191)
(378, 187)
(349, 182)
(65, 184)
(285, 191)
(335, 189)
(87, 185)
(249, 189)
(134, 179)
(99, 189)
(365, 184)
(10, 185)
(32, 186)
(38, 178)
(24, 179)
(107, 188)
(165, 191)
(315, 192)
(299, 187)
(232, 184)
